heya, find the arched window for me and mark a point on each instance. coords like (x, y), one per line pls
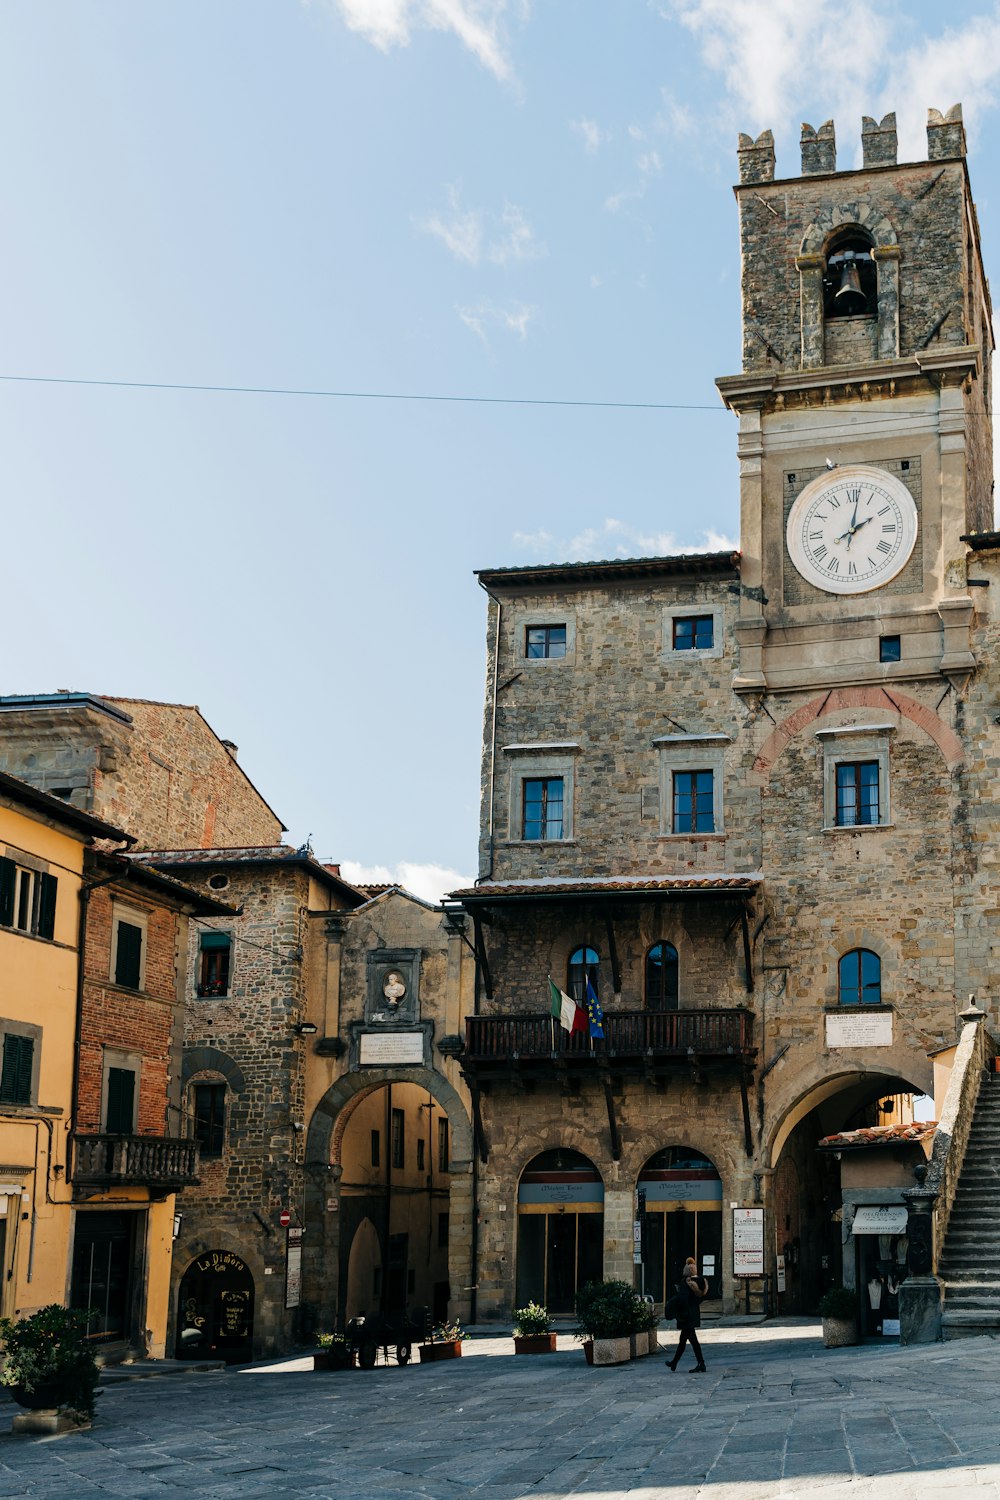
(661, 977)
(860, 978)
(208, 1115)
(850, 281)
(583, 965)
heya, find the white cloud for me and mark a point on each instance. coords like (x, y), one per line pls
(429, 882)
(478, 25)
(787, 61)
(593, 135)
(614, 538)
(486, 315)
(473, 234)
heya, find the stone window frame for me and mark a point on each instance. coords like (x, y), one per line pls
(200, 1080)
(673, 612)
(541, 760)
(130, 1061)
(692, 752)
(846, 941)
(33, 1034)
(132, 916)
(845, 744)
(524, 617)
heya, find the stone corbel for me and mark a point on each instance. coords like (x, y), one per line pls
(957, 660)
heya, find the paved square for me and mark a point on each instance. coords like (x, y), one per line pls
(776, 1415)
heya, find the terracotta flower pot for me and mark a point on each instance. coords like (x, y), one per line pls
(447, 1349)
(535, 1343)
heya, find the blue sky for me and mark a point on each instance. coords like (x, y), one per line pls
(454, 197)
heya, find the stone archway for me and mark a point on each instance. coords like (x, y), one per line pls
(324, 1145)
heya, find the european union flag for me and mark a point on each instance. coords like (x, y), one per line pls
(595, 1014)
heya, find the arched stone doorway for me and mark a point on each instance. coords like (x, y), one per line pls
(807, 1185)
(216, 1309)
(560, 1229)
(413, 1185)
(683, 1192)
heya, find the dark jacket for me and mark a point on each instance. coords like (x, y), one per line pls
(689, 1302)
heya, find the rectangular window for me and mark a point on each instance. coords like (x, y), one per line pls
(442, 1231)
(694, 802)
(210, 1117)
(694, 632)
(376, 1148)
(543, 808)
(128, 955)
(890, 648)
(213, 968)
(857, 793)
(544, 641)
(120, 1108)
(15, 1077)
(421, 1148)
(27, 899)
(398, 1138)
(443, 1153)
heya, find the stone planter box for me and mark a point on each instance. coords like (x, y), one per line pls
(327, 1359)
(588, 1351)
(638, 1345)
(654, 1342)
(448, 1349)
(613, 1351)
(839, 1332)
(535, 1343)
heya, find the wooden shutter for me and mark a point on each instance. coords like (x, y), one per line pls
(47, 906)
(15, 1079)
(120, 1116)
(128, 960)
(8, 880)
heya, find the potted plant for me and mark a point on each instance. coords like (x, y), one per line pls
(647, 1327)
(838, 1308)
(49, 1363)
(533, 1330)
(443, 1342)
(607, 1314)
(334, 1352)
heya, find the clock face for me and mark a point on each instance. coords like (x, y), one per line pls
(852, 530)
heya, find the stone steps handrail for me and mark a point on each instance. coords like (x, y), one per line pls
(975, 1046)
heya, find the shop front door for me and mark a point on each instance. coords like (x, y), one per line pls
(215, 1314)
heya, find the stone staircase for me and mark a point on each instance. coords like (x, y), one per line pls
(970, 1265)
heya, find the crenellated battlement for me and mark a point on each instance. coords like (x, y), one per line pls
(945, 140)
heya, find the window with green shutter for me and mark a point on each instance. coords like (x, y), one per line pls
(120, 1113)
(128, 956)
(15, 1076)
(8, 882)
(47, 906)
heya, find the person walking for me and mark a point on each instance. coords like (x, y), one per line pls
(686, 1308)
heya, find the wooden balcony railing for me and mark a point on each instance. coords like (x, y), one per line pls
(151, 1161)
(628, 1034)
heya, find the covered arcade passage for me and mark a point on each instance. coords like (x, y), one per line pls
(560, 1229)
(683, 1194)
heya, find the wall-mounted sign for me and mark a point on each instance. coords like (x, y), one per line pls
(888, 1218)
(748, 1242)
(293, 1268)
(379, 1048)
(864, 1029)
(781, 1273)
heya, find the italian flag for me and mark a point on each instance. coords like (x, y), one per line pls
(571, 1017)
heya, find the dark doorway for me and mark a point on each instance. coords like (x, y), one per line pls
(215, 1309)
(104, 1254)
(560, 1224)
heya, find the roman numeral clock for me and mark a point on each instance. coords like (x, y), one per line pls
(852, 530)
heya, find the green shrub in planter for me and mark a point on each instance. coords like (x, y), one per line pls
(49, 1361)
(609, 1310)
(839, 1302)
(531, 1321)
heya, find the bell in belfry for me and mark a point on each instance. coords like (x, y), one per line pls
(849, 298)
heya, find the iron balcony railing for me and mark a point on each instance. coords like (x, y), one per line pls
(627, 1033)
(135, 1160)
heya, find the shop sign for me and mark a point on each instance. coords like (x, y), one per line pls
(881, 1219)
(748, 1242)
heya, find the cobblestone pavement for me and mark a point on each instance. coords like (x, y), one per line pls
(776, 1415)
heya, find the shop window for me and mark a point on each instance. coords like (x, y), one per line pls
(27, 899)
(584, 965)
(860, 978)
(209, 1101)
(662, 973)
(213, 964)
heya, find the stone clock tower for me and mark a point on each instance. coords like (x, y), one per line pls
(865, 438)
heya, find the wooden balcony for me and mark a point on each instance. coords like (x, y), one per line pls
(163, 1164)
(635, 1041)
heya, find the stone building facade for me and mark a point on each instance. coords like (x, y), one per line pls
(751, 798)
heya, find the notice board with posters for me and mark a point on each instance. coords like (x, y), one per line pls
(293, 1267)
(748, 1242)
